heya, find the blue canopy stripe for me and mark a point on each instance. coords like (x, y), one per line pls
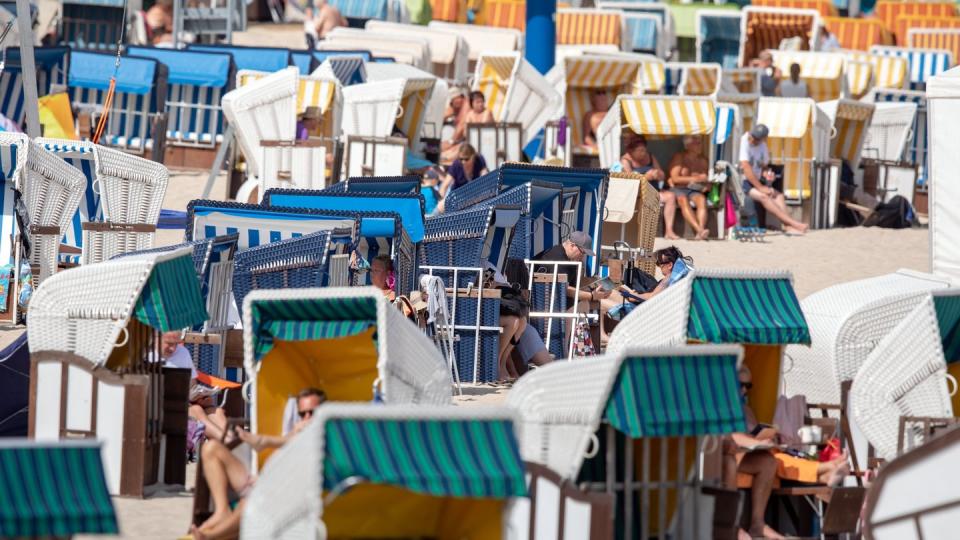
(51, 64)
(93, 71)
(171, 299)
(947, 307)
(268, 59)
(746, 310)
(675, 396)
(453, 458)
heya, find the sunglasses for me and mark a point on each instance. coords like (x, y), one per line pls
(746, 385)
(306, 413)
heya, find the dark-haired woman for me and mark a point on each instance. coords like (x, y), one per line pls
(666, 260)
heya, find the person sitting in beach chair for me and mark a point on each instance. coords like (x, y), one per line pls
(688, 179)
(666, 260)
(468, 166)
(756, 454)
(477, 113)
(518, 336)
(159, 22)
(637, 158)
(599, 105)
(757, 178)
(320, 18)
(224, 471)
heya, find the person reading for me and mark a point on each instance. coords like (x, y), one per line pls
(688, 176)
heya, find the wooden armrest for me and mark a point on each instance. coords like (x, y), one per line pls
(45, 229)
(201, 338)
(803, 491)
(101, 226)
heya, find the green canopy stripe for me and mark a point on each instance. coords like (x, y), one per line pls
(667, 396)
(301, 319)
(54, 491)
(171, 299)
(440, 457)
(746, 310)
(948, 320)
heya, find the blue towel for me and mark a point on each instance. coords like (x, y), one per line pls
(172, 219)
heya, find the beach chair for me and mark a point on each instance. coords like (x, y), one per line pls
(850, 121)
(582, 26)
(858, 33)
(51, 191)
(695, 79)
(579, 77)
(196, 81)
(799, 140)
(503, 14)
(94, 334)
(61, 488)
(466, 495)
(258, 225)
(404, 48)
(539, 227)
(664, 42)
(482, 39)
(888, 71)
(823, 72)
(51, 64)
(268, 59)
(918, 143)
(79, 154)
(663, 120)
(516, 92)
(945, 39)
(95, 24)
(448, 51)
(859, 78)
(319, 259)
(359, 12)
(922, 63)
(618, 421)
(914, 491)
(889, 131)
(889, 392)
(718, 37)
(346, 68)
(907, 23)
(136, 121)
(889, 11)
(301, 337)
(131, 190)
(216, 21)
(420, 105)
(763, 28)
(632, 210)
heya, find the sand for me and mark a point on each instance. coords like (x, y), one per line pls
(817, 260)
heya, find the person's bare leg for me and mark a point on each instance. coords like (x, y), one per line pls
(781, 201)
(510, 325)
(214, 424)
(669, 214)
(700, 200)
(781, 214)
(227, 529)
(763, 467)
(688, 216)
(221, 470)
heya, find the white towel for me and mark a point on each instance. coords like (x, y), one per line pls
(436, 297)
(290, 416)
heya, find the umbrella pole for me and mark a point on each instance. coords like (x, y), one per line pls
(28, 67)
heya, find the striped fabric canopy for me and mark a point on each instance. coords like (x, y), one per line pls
(348, 69)
(308, 319)
(907, 22)
(888, 71)
(504, 14)
(850, 120)
(726, 120)
(650, 115)
(589, 27)
(675, 396)
(53, 490)
(171, 299)
(824, 7)
(919, 143)
(585, 75)
(922, 63)
(947, 39)
(476, 458)
(858, 33)
(653, 76)
(494, 76)
(312, 91)
(743, 80)
(888, 11)
(786, 118)
(823, 72)
(947, 307)
(746, 310)
(700, 80)
(859, 78)
(767, 28)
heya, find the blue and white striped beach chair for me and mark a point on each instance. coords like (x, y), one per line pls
(347, 68)
(80, 155)
(718, 37)
(94, 24)
(268, 59)
(51, 63)
(379, 184)
(257, 225)
(917, 147)
(358, 12)
(138, 101)
(922, 63)
(196, 81)
(540, 225)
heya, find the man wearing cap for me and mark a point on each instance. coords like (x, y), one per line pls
(758, 177)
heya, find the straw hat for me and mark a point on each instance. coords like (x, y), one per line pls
(312, 113)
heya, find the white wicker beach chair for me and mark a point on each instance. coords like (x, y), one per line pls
(906, 374)
(94, 343)
(846, 322)
(131, 192)
(314, 477)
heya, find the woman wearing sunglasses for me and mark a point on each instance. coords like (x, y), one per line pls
(666, 260)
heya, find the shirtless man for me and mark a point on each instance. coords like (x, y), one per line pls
(478, 114)
(159, 20)
(325, 19)
(688, 176)
(599, 105)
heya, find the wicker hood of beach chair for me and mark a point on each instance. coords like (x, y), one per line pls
(313, 486)
(846, 322)
(85, 311)
(516, 92)
(909, 374)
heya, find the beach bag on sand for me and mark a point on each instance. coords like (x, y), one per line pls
(894, 214)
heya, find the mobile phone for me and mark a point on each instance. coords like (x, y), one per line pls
(759, 429)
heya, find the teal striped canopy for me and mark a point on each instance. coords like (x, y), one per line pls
(440, 457)
(54, 490)
(301, 319)
(757, 311)
(947, 307)
(171, 298)
(668, 396)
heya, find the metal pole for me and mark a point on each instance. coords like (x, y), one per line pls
(28, 68)
(541, 36)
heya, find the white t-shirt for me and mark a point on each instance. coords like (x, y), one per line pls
(181, 359)
(757, 156)
(792, 89)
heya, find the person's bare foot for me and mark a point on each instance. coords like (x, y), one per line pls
(671, 236)
(197, 533)
(836, 475)
(768, 532)
(743, 535)
(216, 518)
(703, 234)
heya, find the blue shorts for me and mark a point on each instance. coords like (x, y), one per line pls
(686, 192)
(529, 343)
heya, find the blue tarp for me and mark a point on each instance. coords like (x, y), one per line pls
(46, 58)
(267, 59)
(409, 208)
(94, 70)
(190, 67)
(304, 62)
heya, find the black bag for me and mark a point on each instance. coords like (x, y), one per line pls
(639, 280)
(895, 214)
(512, 301)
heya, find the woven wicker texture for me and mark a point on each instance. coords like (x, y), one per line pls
(131, 188)
(297, 263)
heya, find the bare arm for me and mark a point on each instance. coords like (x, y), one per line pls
(587, 137)
(445, 184)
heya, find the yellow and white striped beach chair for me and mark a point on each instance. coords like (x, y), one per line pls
(823, 72)
(590, 27)
(799, 136)
(515, 91)
(888, 71)
(851, 119)
(699, 79)
(859, 78)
